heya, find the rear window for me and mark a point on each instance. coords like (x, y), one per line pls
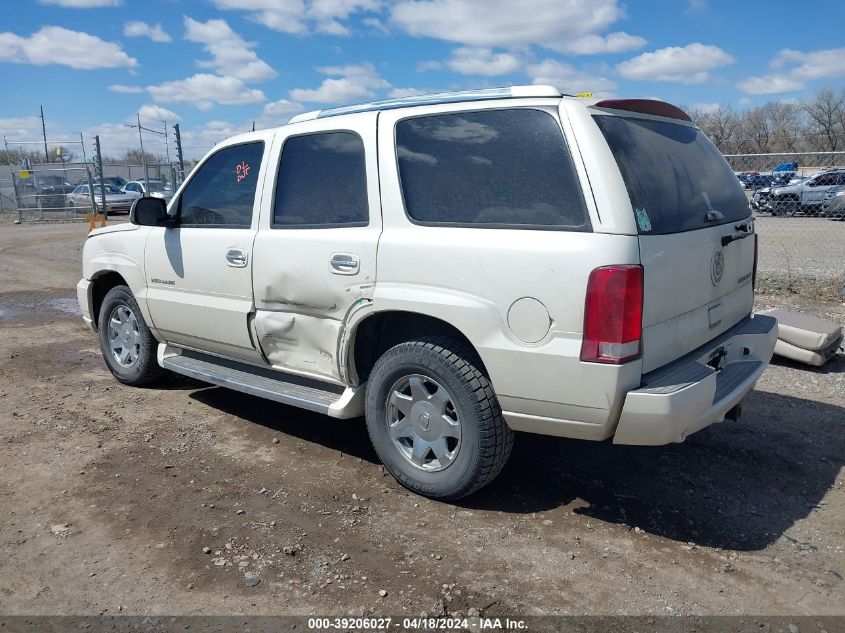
(493, 168)
(675, 176)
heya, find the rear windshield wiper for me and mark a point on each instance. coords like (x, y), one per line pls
(714, 216)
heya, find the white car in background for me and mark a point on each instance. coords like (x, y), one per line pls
(151, 187)
(117, 201)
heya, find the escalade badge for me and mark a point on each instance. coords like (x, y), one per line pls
(717, 266)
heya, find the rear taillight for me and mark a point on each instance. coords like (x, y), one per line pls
(613, 315)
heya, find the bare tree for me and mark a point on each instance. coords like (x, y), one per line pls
(825, 113)
(720, 125)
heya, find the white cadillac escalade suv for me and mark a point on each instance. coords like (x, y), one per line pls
(456, 267)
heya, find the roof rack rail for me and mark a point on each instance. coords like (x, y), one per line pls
(511, 92)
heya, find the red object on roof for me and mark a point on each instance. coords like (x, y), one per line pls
(645, 106)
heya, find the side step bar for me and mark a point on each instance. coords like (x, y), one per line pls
(331, 400)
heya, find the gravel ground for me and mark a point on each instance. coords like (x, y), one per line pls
(188, 499)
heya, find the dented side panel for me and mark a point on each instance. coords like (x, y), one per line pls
(306, 281)
(301, 305)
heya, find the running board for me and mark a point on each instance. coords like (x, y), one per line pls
(331, 400)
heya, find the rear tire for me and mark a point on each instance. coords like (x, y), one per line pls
(434, 419)
(126, 342)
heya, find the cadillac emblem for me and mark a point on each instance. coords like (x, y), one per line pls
(717, 266)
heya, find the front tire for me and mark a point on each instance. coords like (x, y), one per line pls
(126, 342)
(434, 419)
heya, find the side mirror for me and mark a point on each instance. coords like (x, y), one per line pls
(148, 211)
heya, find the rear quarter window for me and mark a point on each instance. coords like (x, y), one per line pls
(491, 168)
(674, 175)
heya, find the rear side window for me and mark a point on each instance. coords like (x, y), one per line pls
(674, 175)
(493, 168)
(322, 182)
(222, 192)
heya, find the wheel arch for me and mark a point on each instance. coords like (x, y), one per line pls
(379, 331)
(101, 283)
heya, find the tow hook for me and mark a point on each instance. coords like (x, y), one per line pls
(734, 413)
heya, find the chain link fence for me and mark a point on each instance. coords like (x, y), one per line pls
(61, 191)
(798, 200)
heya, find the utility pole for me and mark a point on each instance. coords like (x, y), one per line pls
(143, 155)
(179, 152)
(44, 136)
(166, 144)
(98, 156)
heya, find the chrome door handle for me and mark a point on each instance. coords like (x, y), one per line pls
(344, 264)
(236, 258)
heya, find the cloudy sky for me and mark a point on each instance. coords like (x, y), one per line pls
(217, 66)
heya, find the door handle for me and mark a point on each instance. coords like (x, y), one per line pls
(344, 264)
(236, 258)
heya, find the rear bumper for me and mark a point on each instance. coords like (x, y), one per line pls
(688, 394)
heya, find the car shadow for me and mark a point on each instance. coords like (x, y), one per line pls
(347, 436)
(735, 485)
(835, 365)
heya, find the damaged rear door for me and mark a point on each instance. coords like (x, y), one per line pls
(315, 253)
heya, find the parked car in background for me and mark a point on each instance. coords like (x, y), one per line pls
(117, 201)
(114, 181)
(786, 169)
(43, 191)
(759, 181)
(833, 205)
(806, 196)
(154, 188)
(743, 176)
(760, 199)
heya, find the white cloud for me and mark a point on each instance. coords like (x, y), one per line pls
(20, 128)
(401, 93)
(57, 45)
(81, 4)
(155, 114)
(345, 83)
(483, 61)
(203, 91)
(126, 90)
(568, 79)
(684, 64)
(813, 65)
(770, 84)
(276, 113)
(300, 17)
(696, 6)
(602, 44)
(230, 54)
(794, 69)
(142, 29)
(550, 23)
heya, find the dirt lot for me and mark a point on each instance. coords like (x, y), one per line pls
(109, 495)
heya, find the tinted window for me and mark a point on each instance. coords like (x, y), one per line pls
(322, 181)
(222, 191)
(491, 168)
(675, 176)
